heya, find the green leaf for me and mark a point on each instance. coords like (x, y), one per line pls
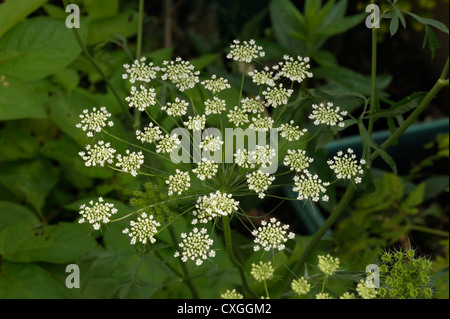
(433, 41)
(407, 104)
(25, 281)
(28, 241)
(12, 212)
(13, 11)
(434, 23)
(161, 55)
(393, 26)
(98, 9)
(367, 140)
(16, 143)
(18, 100)
(341, 25)
(414, 199)
(32, 180)
(38, 47)
(203, 61)
(286, 19)
(102, 30)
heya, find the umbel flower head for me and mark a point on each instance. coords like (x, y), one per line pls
(131, 162)
(263, 77)
(327, 115)
(214, 205)
(262, 155)
(96, 213)
(215, 106)
(261, 123)
(196, 246)
(294, 69)
(366, 292)
(262, 271)
(178, 183)
(177, 108)
(300, 286)
(346, 166)
(291, 132)
(94, 121)
(271, 235)
(168, 143)
(277, 95)
(141, 99)
(245, 51)
(206, 169)
(139, 71)
(252, 105)
(181, 73)
(231, 294)
(99, 154)
(328, 265)
(237, 116)
(211, 143)
(196, 123)
(142, 230)
(151, 134)
(259, 182)
(297, 160)
(216, 85)
(310, 187)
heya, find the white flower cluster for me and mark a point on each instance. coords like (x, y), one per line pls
(245, 51)
(297, 160)
(215, 106)
(142, 99)
(196, 246)
(140, 71)
(276, 96)
(211, 143)
(181, 73)
(177, 108)
(263, 77)
(152, 133)
(259, 182)
(327, 115)
(291, 132)
(168, 143)
(94, 121)
(179, 183)
(99, 154)
(346, 166)
(206, 169)
(196, 123)
(237, 116)
(216, 85)
(131, 162)
(310, 187)
(214, 205)
(96, 213)
(294, 69)
(142, 230)
(261, 123)
(271, 235)
(252, 105)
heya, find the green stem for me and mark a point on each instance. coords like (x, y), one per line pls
(234, 260)
(137, 115)
(429, 230)
(100, 71)
(186, 276)
(373, 94)
(242, 85)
